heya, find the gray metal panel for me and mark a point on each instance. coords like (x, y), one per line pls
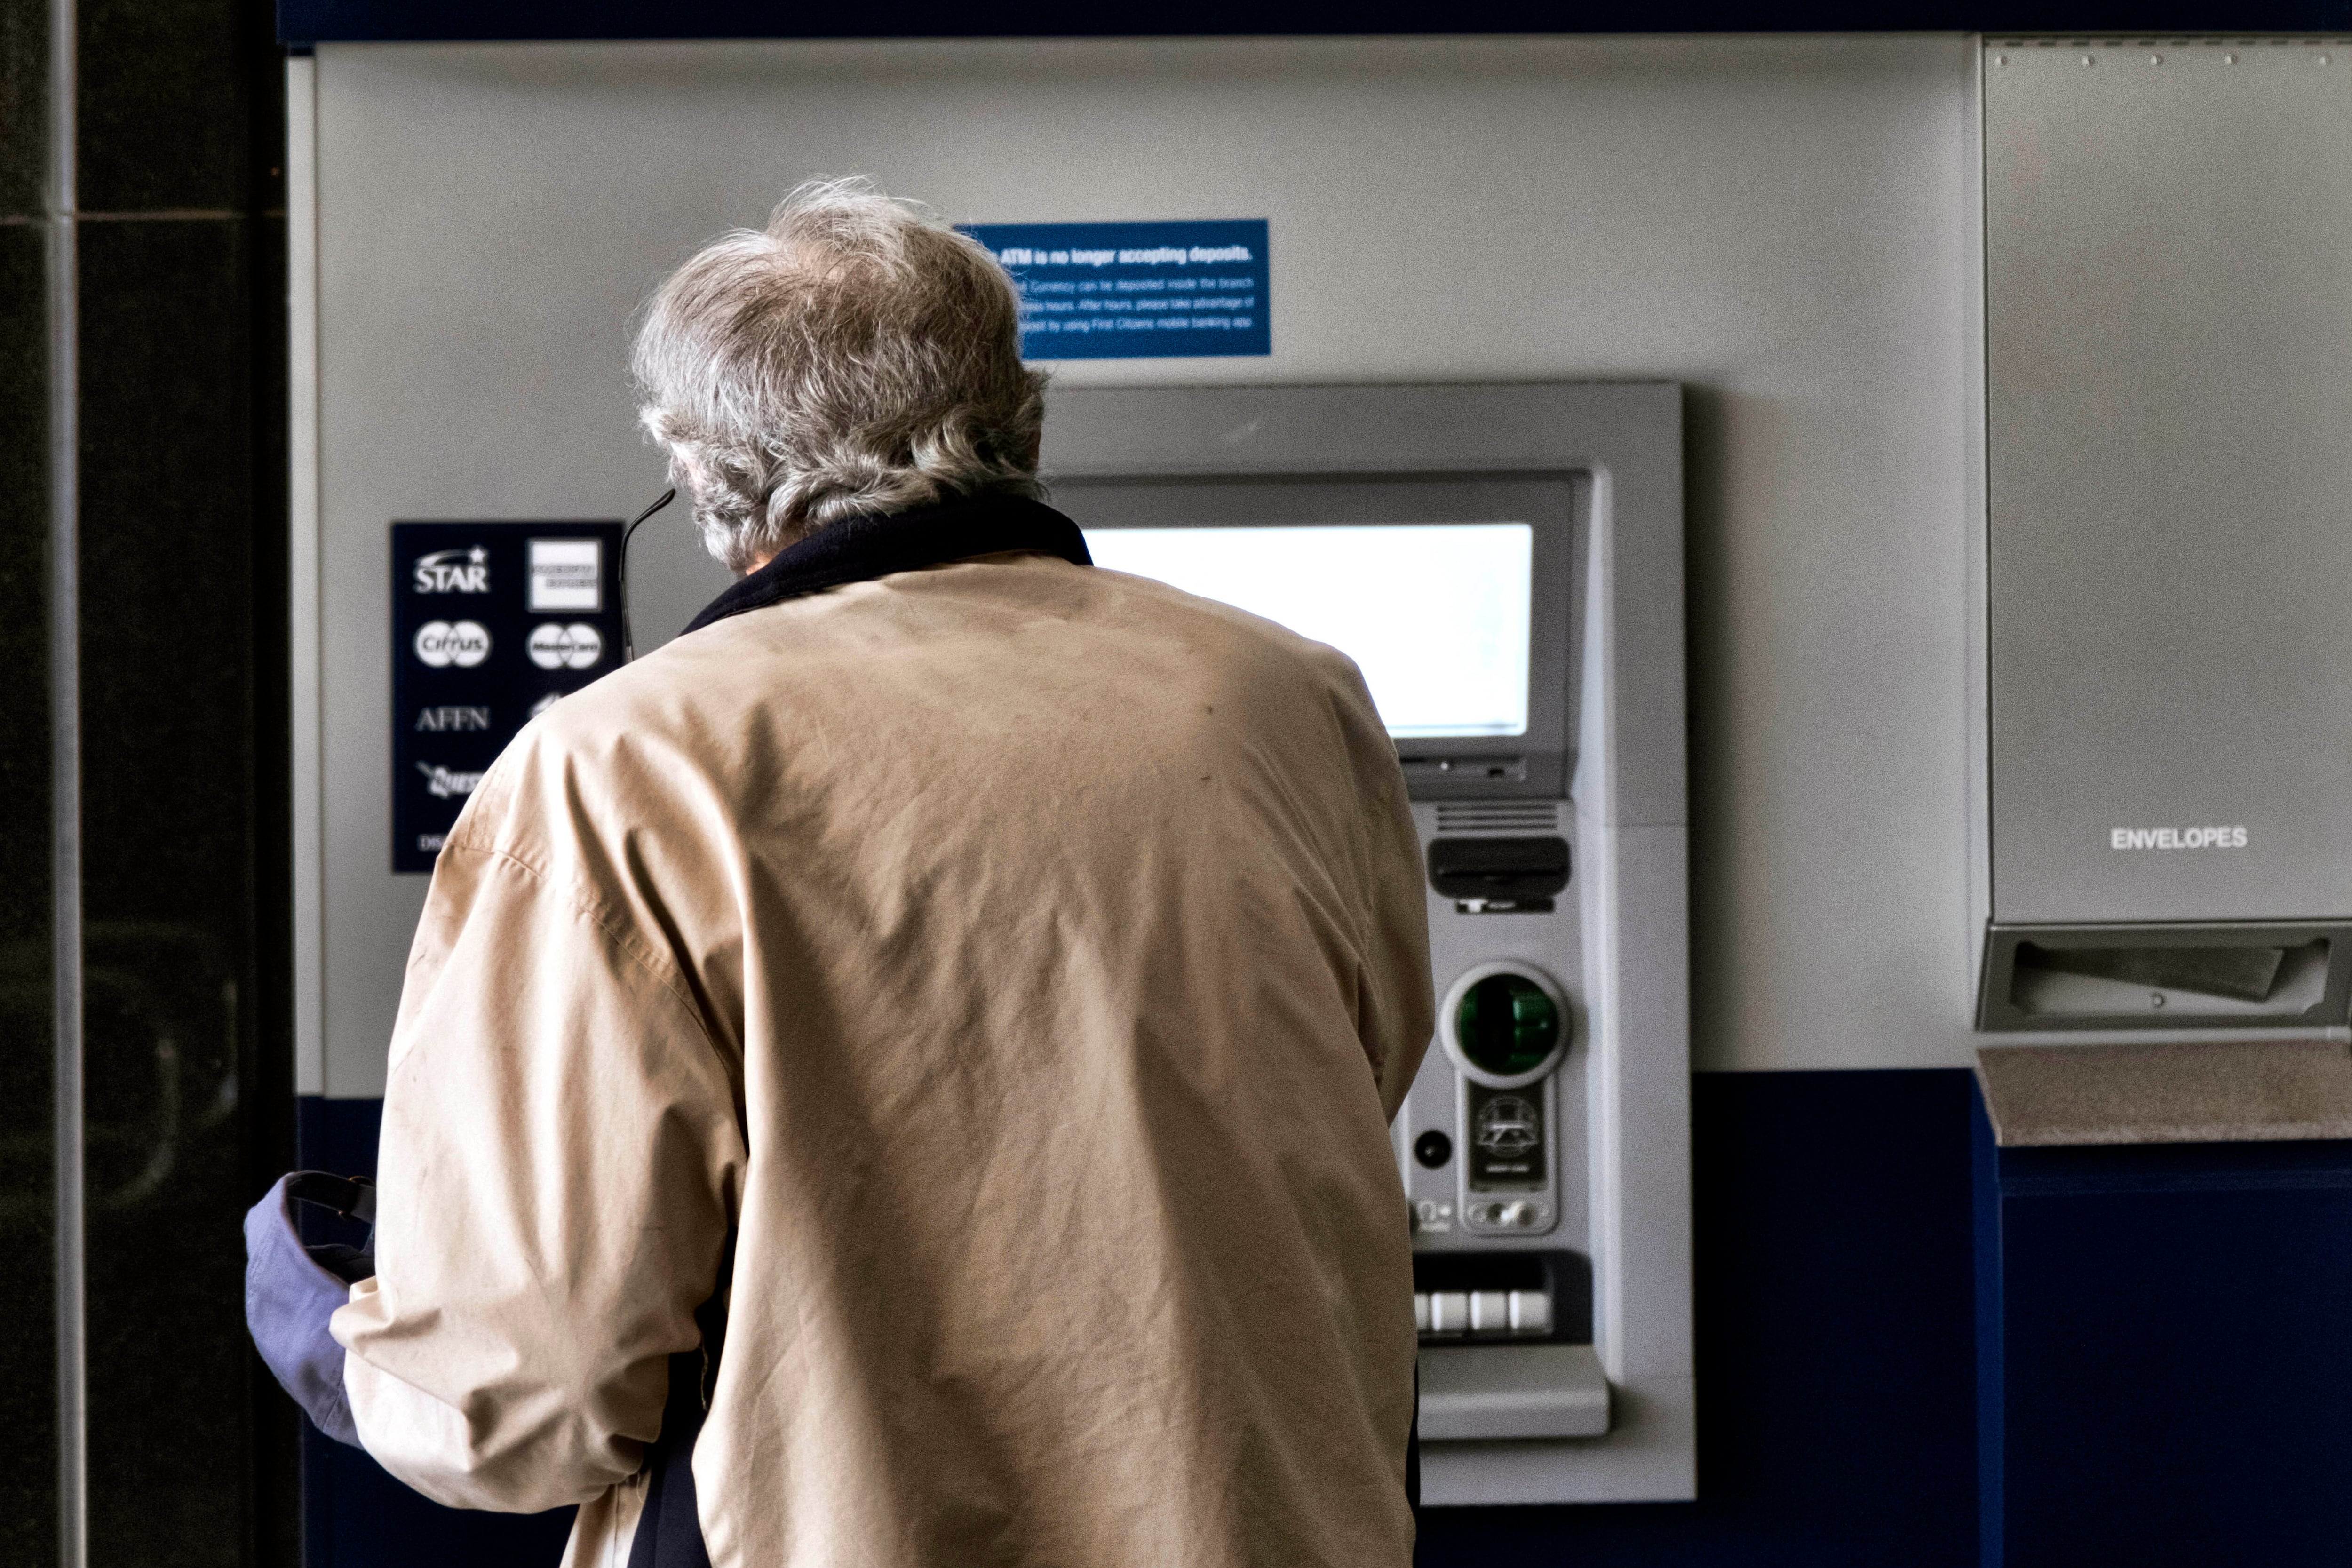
(2169, 253)
(1641, 1213)
(1785, 223)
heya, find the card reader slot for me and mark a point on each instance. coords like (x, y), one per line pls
(1516, 872)
(1463, 770)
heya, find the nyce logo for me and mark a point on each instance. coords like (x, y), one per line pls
(444, 572)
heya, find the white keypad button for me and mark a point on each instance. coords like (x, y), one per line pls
(1531, 1313)
(1490, 1312)
(1449, 1312)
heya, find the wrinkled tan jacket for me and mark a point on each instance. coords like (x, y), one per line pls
(1024, 961)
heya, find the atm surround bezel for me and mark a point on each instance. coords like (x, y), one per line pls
(1621, 437)
(1555, 504)
(1624, 809)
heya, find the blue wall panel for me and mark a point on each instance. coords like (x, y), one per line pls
(1836, 1369)
(2174, 1356)
(354, 1515)
(1835, 1355)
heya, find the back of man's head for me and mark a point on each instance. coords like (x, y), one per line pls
(856, 356)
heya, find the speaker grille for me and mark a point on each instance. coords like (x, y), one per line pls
(1499, 816)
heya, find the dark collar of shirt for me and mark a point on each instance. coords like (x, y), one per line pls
(859, 549)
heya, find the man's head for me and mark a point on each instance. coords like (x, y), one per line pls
(856, 356)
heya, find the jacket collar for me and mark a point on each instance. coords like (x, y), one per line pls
(859, 549)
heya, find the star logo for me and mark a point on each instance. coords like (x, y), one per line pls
(454, 571)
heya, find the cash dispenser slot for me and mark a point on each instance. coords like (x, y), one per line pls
(1505, 1347)
(1499, 876)
(2166, 977)
(1503, 1295)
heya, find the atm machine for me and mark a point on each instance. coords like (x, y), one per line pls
(1505, 565)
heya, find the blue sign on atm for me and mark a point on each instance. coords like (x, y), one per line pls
(1136, 290)
(491, 622)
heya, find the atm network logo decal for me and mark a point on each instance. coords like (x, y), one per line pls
(2230, 837)
(463, 571)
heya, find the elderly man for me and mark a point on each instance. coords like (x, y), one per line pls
(900, 1075)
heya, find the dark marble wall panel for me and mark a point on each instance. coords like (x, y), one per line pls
(268, 1073)
(27, 1350)
(184, 775)
(24, 101)
(29, 1497)
(165, 94)
(168, 776)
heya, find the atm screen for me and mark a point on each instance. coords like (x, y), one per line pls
(1435, 615)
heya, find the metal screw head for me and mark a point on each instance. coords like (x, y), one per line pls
(2323, 59)
(2086, 59)
(2000, 59)
(2156, 59)
(2229, 59)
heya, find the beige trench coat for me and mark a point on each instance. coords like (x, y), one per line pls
(1022, 961)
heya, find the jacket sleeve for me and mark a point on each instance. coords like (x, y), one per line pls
(1396, 1011)
(560, 1164)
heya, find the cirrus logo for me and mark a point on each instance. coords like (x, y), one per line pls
(444, 643)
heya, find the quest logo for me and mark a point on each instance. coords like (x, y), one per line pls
(2231, 838)
(444, 784)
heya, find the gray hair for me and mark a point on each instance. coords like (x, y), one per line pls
(856, 356)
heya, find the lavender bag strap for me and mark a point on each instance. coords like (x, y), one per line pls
(291, 1292)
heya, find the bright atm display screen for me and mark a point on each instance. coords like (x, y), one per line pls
(1435, 615)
